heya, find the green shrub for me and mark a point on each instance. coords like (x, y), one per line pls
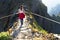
(4, 36)
(40, 28)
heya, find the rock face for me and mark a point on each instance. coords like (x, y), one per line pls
(41, 9)
(6, 8)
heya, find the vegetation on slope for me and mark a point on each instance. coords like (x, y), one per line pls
(39, 28)
(35, 27)
(5, 36)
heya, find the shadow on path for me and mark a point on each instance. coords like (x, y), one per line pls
(16, 32)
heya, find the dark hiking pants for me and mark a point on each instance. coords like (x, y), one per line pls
(21, 21)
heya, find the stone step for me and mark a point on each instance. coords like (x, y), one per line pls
(27, 30)
(56, 35)
(24, 31)
(24, 35)
(21, 35)
(21, 39)
(23, 28)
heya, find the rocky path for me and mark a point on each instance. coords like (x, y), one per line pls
(26, 33)
(22, 33)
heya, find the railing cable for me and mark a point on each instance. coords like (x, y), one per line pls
(45, 18)
(8, 16)
(33, 14)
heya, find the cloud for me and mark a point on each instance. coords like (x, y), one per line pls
(51, 3)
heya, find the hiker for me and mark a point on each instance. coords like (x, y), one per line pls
(21, 14)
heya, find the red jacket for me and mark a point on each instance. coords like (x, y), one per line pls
(21, 15)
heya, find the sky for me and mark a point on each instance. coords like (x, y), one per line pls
(51, 3)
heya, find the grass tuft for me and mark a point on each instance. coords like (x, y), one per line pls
(5, 36)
